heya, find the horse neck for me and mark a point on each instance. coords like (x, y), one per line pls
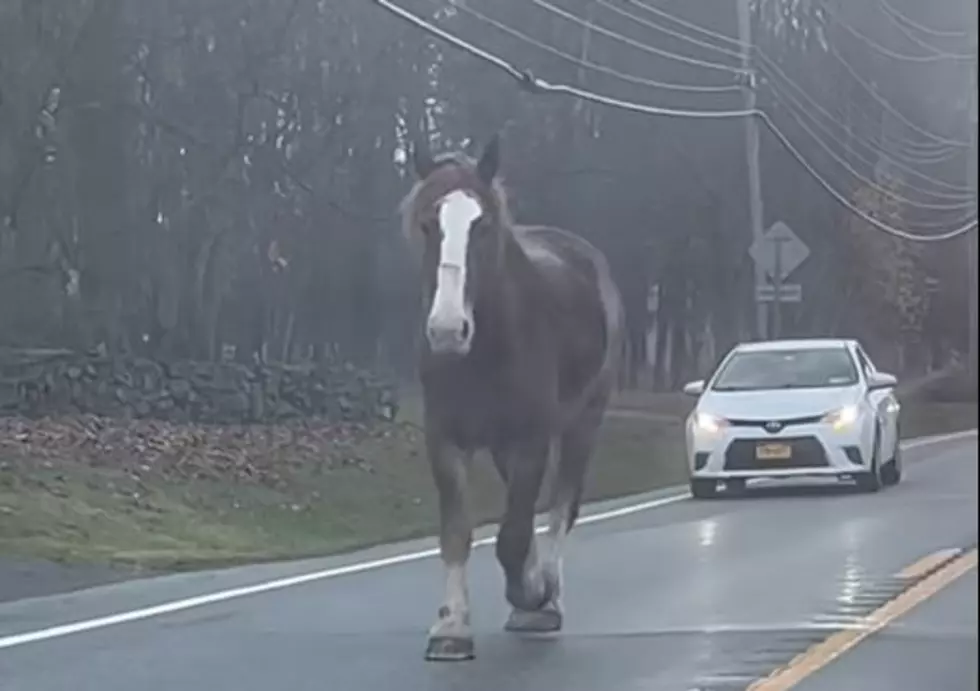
(502, 308)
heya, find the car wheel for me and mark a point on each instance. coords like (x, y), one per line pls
(891, 472)
(871, 480)
(703, 489)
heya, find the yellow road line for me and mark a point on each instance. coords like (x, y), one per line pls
(822, 654)
(929, 563)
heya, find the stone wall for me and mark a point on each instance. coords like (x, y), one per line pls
(35, 383)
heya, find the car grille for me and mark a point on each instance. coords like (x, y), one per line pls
(783, 423)
(808, 452)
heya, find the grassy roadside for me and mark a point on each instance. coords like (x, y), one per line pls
(375, 488)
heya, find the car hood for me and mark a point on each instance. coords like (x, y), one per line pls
(776, 404)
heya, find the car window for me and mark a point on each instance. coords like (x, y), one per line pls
(803, 368)
(865, 361)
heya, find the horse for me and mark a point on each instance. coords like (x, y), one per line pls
(519, 355)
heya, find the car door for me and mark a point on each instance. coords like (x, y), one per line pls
(883, 401)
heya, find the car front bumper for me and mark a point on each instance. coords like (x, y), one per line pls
(816, 449)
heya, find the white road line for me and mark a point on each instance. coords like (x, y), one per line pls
(348, 570)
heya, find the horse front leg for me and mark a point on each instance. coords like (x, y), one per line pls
(528, 589)
(450, 637)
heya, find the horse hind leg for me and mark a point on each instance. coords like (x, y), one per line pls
(450, 637)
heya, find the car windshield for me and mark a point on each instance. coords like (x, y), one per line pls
(804, 368)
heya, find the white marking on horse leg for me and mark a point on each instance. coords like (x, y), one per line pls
(557, 532)
(454, 617)
(558, 519)
(450, 322)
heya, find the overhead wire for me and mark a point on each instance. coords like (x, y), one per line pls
(536, 85)
(937, 139)
(591, 26)
(583, 62)
(772, 66)
(910, 35)
(884, 103)
(938, 33)
(965, 202)
(912, 155)
(887, 52)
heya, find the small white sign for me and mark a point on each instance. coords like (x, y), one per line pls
(788, 292)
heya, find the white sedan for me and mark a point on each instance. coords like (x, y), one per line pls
(780, 409)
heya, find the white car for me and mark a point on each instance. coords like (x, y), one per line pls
(790, 408)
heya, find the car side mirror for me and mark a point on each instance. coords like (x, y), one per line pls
(881, 380)
(694, 388)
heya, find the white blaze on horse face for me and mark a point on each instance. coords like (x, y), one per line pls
(450, 323)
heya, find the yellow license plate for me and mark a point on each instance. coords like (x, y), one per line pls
(773, 452)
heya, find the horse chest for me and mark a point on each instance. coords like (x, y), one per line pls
(477, 409)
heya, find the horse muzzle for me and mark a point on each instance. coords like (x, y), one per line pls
(449, 335)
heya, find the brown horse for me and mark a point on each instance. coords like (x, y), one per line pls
(523, 330)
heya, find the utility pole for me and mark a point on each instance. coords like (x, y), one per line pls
(752, 158)
(972, 235)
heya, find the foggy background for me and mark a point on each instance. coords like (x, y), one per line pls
(206, 180)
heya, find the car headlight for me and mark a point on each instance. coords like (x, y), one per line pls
(712, 424)
(842, 418)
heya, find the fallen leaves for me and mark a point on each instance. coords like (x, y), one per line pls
(268, 455)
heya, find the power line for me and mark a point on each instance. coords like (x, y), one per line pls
(890, 9)
(788, 102)
(884, 103)
(853, 72)
(543, 4)
(909, 34)
(524, 37)
(867, 40)
(669, 32)
(537, 85)
(582, 62)
(774, 67)
(908, 154)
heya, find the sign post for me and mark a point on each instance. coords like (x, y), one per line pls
(778, 253)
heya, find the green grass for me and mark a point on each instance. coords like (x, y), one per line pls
(62, 510)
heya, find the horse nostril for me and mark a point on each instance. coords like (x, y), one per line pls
(465, 331)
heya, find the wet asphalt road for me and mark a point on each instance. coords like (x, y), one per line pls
(933, 648)
(693, 595)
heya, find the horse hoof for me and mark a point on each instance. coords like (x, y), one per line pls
(545, 620)
(449, 649)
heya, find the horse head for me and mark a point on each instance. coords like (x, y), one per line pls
(458, 210)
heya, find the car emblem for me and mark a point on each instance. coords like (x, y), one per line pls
(773, 426)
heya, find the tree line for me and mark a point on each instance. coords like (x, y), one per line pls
(191, 180)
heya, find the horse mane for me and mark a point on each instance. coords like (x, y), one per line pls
(496, 192)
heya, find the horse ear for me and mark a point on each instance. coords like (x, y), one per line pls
(422, 160)
(489, 161)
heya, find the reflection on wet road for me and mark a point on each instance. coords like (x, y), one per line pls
(695, 595)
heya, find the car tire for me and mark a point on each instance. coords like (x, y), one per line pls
(870, 481)
(891, 472)
(703, 489)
